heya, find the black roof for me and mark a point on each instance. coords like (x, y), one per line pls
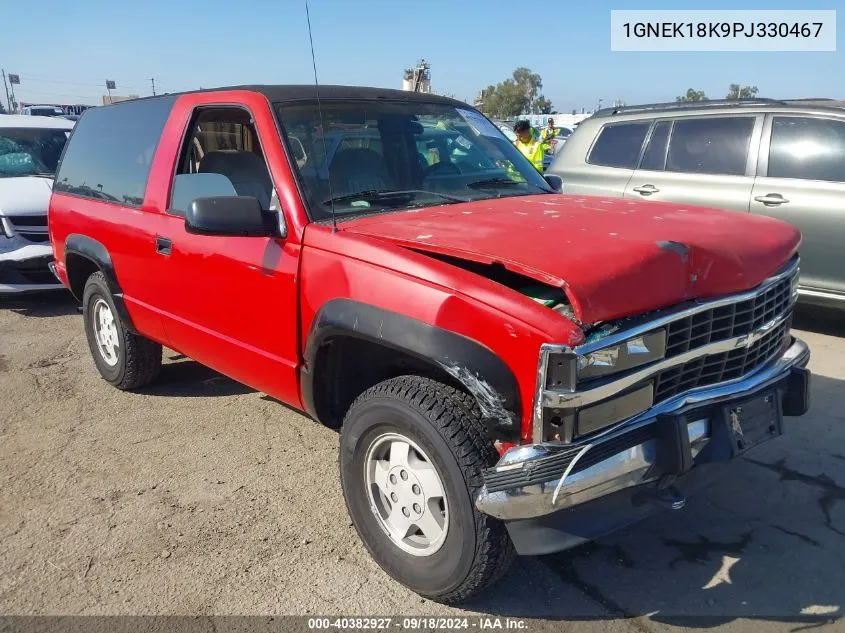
(308, 92)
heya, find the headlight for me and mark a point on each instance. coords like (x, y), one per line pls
(565, 370)
(623, 356)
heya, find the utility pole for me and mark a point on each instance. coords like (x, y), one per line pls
(8, 101)
(153, 82)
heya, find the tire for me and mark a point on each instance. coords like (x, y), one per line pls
(125, 360)
(442, 425)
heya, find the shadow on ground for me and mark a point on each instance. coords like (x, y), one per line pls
(766, 542)
(819, 320)
(187, 378)
(42, 304)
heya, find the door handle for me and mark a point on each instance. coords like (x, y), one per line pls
(771, 199)
(646, 190)
(163, 245)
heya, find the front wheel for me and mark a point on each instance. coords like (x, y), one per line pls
(411, 455)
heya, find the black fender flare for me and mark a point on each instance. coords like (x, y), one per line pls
(484, 375)
(95, 252)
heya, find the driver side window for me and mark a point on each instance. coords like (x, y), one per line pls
(221, 156)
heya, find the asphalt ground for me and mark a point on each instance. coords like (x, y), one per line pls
(199, 496)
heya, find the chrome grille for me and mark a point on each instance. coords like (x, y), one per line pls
(716, 368)
(729, 321)
(30, 227)
(708, 343)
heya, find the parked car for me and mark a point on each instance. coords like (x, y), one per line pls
(510, 368)
(42, 110)
(30, 147)
(506, 128)
(780, 159)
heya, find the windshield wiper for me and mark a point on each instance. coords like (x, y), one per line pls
(372, 195)
(43, 174)
(501, 182)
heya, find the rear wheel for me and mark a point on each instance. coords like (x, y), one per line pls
(124, 359)
(411, 456)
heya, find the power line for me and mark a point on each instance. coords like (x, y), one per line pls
(84, 81)
(70, 84)
(52, 94)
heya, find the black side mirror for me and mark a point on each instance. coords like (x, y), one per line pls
(555, 182)
(228, 215)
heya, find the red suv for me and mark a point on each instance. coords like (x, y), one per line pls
(511, 369)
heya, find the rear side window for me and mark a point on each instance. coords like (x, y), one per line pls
(807, 148)
(654, 157)
(619, 145)
(111, 150)
(717, 145)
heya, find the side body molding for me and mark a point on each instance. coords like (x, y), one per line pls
(482, 373)
(90, 249)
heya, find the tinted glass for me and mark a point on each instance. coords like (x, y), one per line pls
(716, 145)
(654, 157)
(110, 152)
(810, 149)
(619, 145)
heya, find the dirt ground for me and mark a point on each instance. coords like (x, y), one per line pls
(199, 496)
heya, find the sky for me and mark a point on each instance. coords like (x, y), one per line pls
(64, 51)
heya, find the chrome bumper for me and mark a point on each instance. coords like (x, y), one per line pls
(631, 466)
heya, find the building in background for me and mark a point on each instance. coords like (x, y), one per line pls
(561, 120)
(107, 99)
(418, 78)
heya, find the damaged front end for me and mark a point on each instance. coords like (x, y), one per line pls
(25, 255)
(637, 416)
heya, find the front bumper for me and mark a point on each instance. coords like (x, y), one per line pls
(24, 267)
(585, 490)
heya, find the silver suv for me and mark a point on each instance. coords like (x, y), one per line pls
(784, 159)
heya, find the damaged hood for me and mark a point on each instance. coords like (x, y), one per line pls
(612, 256)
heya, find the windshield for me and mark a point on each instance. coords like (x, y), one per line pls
(30, 151)
(376, 156)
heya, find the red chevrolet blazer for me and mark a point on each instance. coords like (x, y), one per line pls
(512, 369)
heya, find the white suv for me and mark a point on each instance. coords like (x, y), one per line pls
(30, 149)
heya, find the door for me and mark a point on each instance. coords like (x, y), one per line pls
(605, 168)
(704, 161)
(232, 303)
(802, 181)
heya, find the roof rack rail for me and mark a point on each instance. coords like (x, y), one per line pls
(685, 105)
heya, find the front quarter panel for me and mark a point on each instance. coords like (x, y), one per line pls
(511, 327)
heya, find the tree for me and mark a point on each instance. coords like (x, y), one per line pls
(543, 105)
(517, 95)
(692, 95)
(735, 91)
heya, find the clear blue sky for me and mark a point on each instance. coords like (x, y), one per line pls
(65, 50)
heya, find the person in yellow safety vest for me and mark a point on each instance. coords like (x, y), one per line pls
(532, 148)
(549, 132)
